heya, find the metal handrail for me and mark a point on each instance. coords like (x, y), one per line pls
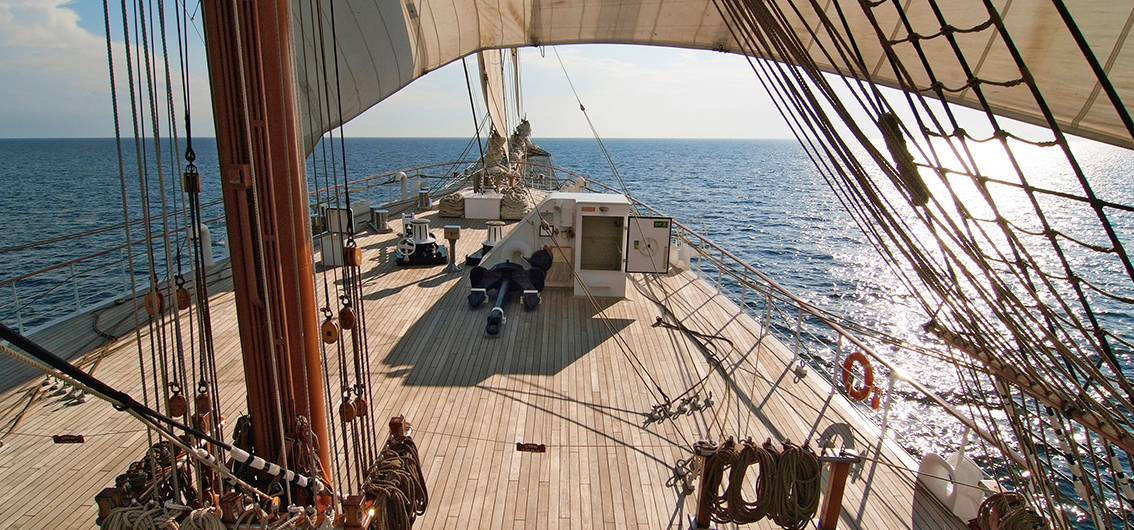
(389, 174)
(97, 254)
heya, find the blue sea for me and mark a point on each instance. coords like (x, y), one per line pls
(763, 200)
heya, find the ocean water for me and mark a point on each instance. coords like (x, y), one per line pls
(762, 200)
(55, 188)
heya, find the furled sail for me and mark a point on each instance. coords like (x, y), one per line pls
(383, 45)
(492, 84)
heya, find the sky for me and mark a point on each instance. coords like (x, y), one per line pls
(55, 83)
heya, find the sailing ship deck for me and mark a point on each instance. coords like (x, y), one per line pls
(563, 375)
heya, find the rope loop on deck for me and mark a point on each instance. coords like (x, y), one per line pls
(138, 518)
(203, 519)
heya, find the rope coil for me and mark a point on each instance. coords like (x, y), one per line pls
(787, 488)
(452, 205)
(397, 481)
(1009, 511)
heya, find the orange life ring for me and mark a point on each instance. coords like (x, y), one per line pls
(862, 392)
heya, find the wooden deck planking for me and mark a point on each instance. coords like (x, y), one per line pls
(555, 377)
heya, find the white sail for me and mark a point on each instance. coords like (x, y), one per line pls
(492, 85)
(385, 44)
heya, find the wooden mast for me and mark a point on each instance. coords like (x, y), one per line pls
(255, 106)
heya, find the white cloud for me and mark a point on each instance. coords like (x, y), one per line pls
(55, 72)
(56, 75)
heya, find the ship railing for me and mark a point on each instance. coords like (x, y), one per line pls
(65, 289)
(84, 277)
(380, 188)
(795, 321)
(365, 187)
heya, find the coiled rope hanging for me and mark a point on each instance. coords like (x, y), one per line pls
(1010, 511)
(795, 496)
(139, 518)
(397, 481)
(741, 511)
(787, 488)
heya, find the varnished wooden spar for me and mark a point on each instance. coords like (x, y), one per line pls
(265, 193)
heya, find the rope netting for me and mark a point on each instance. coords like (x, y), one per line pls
(1017, 265)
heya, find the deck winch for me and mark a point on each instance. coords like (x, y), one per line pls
(504, 278)
(419, 247)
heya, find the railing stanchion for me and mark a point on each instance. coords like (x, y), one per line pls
(744, 292)
(75, 286)
(838, 365)
(720, 274)
(886, 406)
(798, 329)
(19, 310)
(700, 252)
(766, 315)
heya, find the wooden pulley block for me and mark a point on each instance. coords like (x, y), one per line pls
(352, 256)
(177, 405)
(347, 317)
(204, 403)
(360, 407)
(330, 330)
(346, 411)
(191, 182)
(155, 303)
(184, 299)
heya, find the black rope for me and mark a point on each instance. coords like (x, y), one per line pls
(472, 105)
(1096, 67)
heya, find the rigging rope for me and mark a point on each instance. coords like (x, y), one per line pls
(1046, 328)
